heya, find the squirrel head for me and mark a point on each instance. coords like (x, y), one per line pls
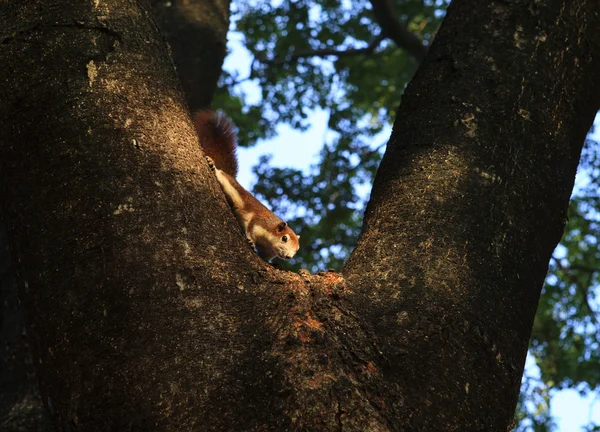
(287, 242)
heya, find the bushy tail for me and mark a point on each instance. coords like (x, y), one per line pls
(217, 138)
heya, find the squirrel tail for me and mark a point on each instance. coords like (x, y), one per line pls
(217, 138)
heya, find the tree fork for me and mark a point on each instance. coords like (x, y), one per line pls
(148, 312)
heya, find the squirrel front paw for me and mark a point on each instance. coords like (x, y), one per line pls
(250, 243)
(211, 163)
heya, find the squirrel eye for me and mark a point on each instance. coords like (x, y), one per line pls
(284, 239)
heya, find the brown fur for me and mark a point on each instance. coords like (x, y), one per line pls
(217, 138)
(263, 230)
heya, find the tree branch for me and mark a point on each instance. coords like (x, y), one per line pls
(396, 31)
(448, 190)
(325, 52)
(391, 28)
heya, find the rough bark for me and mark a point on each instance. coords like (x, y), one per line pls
(148, 312)
(99, 147)
(470, 201)
(196, 31)
(21, 409)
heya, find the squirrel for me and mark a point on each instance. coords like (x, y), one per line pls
(264, 231)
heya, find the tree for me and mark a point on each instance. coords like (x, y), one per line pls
(148, 312)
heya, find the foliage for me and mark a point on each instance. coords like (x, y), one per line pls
(533, 413)
(332, 55)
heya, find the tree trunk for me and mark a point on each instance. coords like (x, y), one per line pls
(196, 32)
(148, 312)
(21, 409)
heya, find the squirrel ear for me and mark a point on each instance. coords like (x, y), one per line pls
(298, 237)
(281, 226)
